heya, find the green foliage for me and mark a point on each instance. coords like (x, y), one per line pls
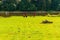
(24, 5)
(54, 5)
(8, 6)
(32, 5)
(0, 6)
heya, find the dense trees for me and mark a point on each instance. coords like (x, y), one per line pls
(54, 5)
(0, 5)
(29, 5)
(25, 5)
(8, 5)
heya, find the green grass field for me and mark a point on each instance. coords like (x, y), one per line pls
(30, 28)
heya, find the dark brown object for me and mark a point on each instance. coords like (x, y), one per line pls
(46, 21)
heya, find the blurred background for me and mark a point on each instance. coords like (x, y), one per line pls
(29, 5)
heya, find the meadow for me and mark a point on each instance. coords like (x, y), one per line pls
(30, 28)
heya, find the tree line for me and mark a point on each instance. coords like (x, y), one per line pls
(30, 5)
